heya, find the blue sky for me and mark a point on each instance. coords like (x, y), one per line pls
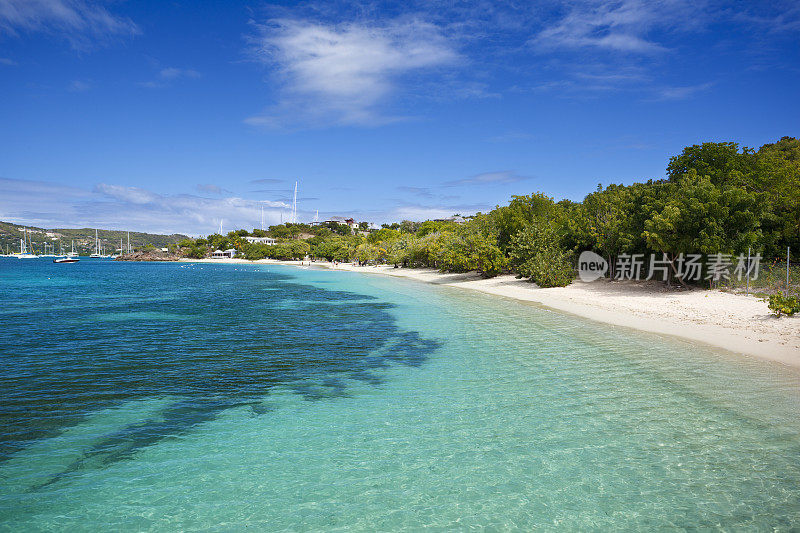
(169, 116)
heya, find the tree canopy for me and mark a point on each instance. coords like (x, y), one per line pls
(715, 198)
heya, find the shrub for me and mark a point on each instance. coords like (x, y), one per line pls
(783, 304)
(197, 252)
(536, 252)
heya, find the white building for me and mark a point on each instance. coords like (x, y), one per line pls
(227, 254)
(338, 220)
(269, 241)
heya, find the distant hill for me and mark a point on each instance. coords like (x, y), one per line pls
(10, 235)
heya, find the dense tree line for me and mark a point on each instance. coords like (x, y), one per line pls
(716, 198)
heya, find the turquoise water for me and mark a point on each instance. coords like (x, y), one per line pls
(219, 397)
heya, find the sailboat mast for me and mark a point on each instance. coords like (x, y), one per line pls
(294, 205)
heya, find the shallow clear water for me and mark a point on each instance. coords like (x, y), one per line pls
(196, 396)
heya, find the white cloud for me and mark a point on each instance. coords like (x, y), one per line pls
(342, 74)
(74, 19)
(131, 195)
(118, 207)
(621, 26)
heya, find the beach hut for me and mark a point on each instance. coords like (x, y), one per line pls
(227, 254)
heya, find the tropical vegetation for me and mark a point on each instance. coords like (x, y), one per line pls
(717, 198)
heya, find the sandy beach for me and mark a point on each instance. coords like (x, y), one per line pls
(734, 322)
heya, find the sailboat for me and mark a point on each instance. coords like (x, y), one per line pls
(66, 258)
(119, 252)
(96, 254)
(52, 250)
(23, 247)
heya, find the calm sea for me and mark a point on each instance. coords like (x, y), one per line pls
(217, 397)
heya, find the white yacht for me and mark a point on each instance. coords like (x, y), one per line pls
(71, 257)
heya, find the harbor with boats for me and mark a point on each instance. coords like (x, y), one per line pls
(73, 245)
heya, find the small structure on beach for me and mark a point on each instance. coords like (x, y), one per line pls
(227, 254)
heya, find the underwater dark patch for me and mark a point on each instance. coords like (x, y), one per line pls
(239, 343)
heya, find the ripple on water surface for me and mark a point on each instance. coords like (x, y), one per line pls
(334, 400)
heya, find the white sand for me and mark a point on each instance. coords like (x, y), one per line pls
(734, 322)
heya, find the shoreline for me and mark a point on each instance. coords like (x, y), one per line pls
(733, 322)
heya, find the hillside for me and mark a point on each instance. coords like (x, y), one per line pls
(10, 235)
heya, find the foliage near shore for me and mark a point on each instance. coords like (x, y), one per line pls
(783, 304)
(716, 198)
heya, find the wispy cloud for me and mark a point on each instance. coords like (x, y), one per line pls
(266, 181)
(593, 48)
(621, 26)
(344, 74)
(422, 192)
(773, 17)
(426, 212)
(7, 61)
(512, 136)
(488, 178)
(173, 73)
(680, 93)
(211, 188)
(78, 86)
(115, 206)
(166, 76)
(591, 81)
(77, 20)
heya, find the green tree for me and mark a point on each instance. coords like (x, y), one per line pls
(383, 235)
(434, 226)
(722, 162)
(603, 222)
(339, 229)
(537, 253)
(777, 180)
(695, 216)
(332, 249)
(367, 252)
(522, 211)
(408, 226)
